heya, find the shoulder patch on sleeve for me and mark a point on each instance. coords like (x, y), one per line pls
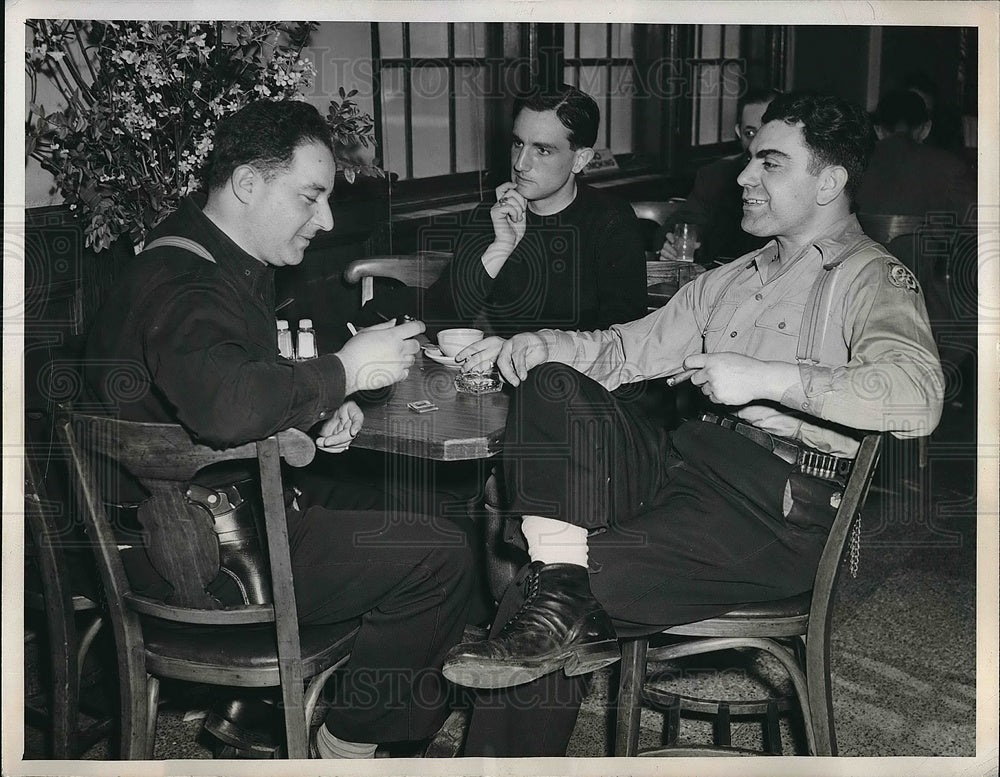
(901, 277)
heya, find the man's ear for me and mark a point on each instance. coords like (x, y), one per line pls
(242, 182)
(832, 181)
(920, 133)
(582, 159)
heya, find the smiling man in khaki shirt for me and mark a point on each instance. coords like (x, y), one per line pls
(800, 346)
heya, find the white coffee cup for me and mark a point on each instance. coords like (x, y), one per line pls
(451, 341)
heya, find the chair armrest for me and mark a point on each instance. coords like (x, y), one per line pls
(420, 269)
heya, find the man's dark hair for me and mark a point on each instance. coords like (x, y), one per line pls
(754, 96)
(576, 110)
(901, 111)
(265, 134)
(836, 132)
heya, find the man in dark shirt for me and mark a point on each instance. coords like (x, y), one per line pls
(716, 201)
(192, 321)
(551, 251)
(907, 176)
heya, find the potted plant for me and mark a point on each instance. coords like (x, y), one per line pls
(142, 99)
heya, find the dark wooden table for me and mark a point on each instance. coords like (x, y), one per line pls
(466, 426)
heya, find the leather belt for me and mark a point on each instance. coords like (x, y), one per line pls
(807, 460)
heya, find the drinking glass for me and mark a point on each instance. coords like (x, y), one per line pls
(686, 241)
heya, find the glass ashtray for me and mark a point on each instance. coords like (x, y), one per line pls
(479, 381)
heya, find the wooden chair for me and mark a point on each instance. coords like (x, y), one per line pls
(656, 211)
(419, 270)
(763, 627)
(72, 618)
(249, 646)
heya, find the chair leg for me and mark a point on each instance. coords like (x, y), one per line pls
(152, 708)
(65, 701)
(632, 675)
(772, 733)
(134, 712)
(294, 708)
(86, 641)
(820, 698)
(314, 689)
(723, 730)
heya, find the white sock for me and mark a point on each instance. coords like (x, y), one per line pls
(330, 746)
(554, 542)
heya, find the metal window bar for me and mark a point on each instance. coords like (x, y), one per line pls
(409, 64)
(608, 62)
(452, 131)
(723, 63)
(407, 100)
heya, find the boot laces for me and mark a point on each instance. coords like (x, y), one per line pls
(529, 597)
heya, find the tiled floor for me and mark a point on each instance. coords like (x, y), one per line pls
(904, 632)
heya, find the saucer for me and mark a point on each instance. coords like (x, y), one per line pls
(434, 353)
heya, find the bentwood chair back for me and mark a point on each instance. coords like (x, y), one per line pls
(256, 645)
(419, 270)
(657, 211)
(57, 588)
(762, 627)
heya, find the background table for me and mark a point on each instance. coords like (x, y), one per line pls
(466, 426)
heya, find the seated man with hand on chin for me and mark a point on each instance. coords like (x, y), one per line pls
(551, 251)
(800, 345)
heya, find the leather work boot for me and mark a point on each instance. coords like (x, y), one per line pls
(560, 625)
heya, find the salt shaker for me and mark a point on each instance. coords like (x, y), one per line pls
(285, 346)
(306, 339)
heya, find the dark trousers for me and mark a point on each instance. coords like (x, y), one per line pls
(410, 586)
(683, 526)
(359, 550)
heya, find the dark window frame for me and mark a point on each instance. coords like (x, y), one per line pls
(662, 138)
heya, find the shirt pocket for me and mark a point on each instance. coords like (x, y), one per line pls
(781, 319)
(776, 331)
(721, 315)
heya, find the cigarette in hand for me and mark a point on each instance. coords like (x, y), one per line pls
(680, 377)
(352, 328)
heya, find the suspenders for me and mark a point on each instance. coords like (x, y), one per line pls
(174, 241)
(816, 315)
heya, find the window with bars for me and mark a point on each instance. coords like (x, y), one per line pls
(441, 91)
(434, 86)
(718, 79)
(599, 60)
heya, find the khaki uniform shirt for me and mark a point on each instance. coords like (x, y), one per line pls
(877, 368)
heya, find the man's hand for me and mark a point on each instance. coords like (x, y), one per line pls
(508, 217)
(520, 354)
(481, 355)
(669, 252)
(380, 355)
(339, 430)
(735, 379)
